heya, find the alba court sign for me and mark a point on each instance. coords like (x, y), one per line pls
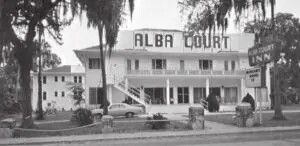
(262, 54)
(167, 40)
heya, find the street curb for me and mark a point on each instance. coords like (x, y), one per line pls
(141, 135)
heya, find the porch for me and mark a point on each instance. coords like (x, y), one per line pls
(183, 109)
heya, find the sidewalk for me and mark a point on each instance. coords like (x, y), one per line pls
(211, 128)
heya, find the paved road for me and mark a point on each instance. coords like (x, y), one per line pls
(291, 138)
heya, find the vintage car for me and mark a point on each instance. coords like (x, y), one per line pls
(120, 109)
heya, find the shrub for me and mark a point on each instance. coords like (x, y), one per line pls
(249, 99)
(157, 124)
(213, 103)
(82, 117)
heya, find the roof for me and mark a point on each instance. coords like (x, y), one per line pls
(66, 69)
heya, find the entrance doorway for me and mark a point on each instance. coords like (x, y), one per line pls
(158, 95)
(183, 95)
(199, 93)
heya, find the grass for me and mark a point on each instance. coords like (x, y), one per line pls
(121, 125)
(292, 119)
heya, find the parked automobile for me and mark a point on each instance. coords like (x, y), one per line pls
(121, 109)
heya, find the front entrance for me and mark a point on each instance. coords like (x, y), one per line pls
(158, 95)
(199, 93)
(183, 95)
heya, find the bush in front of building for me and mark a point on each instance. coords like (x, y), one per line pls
(213, 103)
(157, 121)
(82, 117)
(249, 99)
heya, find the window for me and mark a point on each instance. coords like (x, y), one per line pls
(44, 95)
(136, 64)
(94, 63)
(75, 79)
(44, 80)
(226, 65)
(232, 65)
(62, 94)
(159, 64)
(80, 79)
(114, 106)
(128, 64)
(55, 78)
(62, 78)
(55, 93)
(205, 64)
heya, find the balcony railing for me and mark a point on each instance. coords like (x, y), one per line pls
(184, 72)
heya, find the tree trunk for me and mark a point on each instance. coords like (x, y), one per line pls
(24, 80)
(40, 113)
(103, 70)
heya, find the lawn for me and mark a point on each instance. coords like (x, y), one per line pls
(292, 119)
(56, 125)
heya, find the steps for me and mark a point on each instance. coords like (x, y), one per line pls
(133, 92)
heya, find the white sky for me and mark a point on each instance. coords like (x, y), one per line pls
(162, 14)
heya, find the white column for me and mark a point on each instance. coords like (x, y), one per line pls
(110, 94)
(126, 84)
(268, 82)
(126, 87)
(175, 95)
(222, 94)
(142, 93)
(168, 91)
(243, 89)
(191, 95)
(207, 86)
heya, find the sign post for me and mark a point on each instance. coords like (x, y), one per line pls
(260, 55)
(253, 80)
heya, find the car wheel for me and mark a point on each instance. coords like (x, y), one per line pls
(129, 115)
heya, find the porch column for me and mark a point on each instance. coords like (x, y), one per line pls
(222, 94)
(191, 95)
(242, 89)
(168, 91)
(175, 95)
(110, 93)
(268, 82)
(126, 84)
(142, 93)
(207, 86)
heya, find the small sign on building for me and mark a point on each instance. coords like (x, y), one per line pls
(253, 78)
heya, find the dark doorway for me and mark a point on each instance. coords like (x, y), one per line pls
(158, 95)
(183, 94)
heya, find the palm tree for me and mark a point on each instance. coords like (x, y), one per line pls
(107, 17)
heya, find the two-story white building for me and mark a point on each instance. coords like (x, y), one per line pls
(168, 67)
(56, 85)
